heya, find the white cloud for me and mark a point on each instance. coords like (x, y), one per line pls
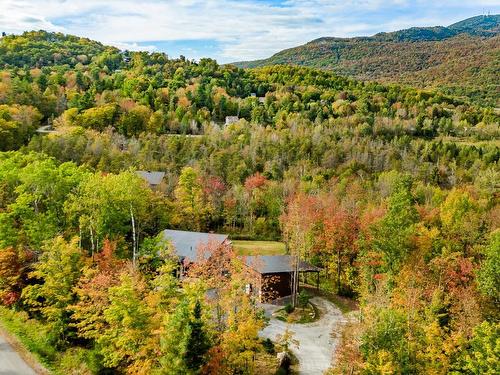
(245, 29)
(134, 46)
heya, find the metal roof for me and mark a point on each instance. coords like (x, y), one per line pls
(153, 178)
(187, 244)
(276, 264)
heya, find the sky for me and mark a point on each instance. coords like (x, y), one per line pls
(229, 30)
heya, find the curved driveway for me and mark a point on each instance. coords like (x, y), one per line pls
(317, 341)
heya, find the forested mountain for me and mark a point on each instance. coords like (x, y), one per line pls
(41, 48)
(392, 190)
(478, 26)
(462, 59)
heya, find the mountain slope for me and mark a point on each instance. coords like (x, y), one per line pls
(462, 58)
(479, 25)
(42, 48)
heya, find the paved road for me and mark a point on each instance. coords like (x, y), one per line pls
(317, 341)
(11, 362)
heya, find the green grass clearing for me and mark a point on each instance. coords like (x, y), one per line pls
(469, 141)
(258, 247)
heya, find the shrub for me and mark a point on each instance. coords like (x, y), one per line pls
(268, 346)
(304, 298)
(289, 308)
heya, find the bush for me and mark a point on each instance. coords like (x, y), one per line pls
(304, 298)
(268, 346)
(289, 308)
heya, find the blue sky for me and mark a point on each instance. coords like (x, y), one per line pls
(229, 30)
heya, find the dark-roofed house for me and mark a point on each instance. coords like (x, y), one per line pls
(271, 275)
(274, 275)
(154, 179)
(189, 246)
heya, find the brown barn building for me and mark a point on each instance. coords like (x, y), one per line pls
(274, 275)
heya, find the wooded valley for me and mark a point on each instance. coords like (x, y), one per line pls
(393, 191)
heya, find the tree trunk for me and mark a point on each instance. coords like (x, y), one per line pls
(80, 239)
(338, 271)
(134, 245)
(295, 281)
(92, 241)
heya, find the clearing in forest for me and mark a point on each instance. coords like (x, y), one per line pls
(258, 247)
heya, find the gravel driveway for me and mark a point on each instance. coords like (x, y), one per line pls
(317, 340)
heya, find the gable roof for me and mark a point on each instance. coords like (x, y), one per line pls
(153, 178)
(277, 264)
(186, 244)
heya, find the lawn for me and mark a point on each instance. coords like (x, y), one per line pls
(258, 247)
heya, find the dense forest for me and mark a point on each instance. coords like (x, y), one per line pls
(461, 59)
(392, 190)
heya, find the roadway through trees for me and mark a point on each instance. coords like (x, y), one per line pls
(11, 362)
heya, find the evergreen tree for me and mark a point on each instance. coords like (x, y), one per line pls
(198, 342)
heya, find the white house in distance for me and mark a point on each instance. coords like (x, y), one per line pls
(231, 119)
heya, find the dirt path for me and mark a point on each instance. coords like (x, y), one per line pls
(317, 343)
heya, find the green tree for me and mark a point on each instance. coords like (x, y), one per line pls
(198, 341)
(41, 192)
(392, 236)
(482, 355)
(57, 271)
(125, 340)
(112, 206)
(190, 200)
(174, 340)
(488, 276)
(384, 343)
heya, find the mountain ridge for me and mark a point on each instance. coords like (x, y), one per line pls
(421, 56)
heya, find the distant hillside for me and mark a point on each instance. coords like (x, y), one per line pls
(461, 59)
(42, 48)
